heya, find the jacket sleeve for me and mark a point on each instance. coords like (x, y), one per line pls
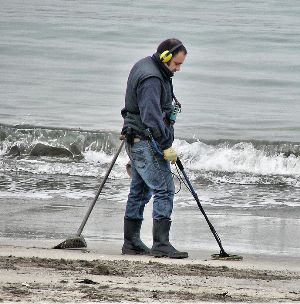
(148, 97)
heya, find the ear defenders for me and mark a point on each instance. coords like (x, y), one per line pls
(167, 55)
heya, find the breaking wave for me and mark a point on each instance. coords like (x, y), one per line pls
(77, 152)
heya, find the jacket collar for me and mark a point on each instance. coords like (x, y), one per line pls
(163, 69)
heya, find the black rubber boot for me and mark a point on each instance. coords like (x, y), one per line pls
(132, 242)
(161, 244)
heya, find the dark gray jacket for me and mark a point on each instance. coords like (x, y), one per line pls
(148, 100)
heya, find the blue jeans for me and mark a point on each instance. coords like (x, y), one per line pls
(150, 175)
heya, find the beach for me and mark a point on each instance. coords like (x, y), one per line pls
(37, 273)
(44, 199)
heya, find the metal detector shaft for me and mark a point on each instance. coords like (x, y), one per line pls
(99, 190)
(180, 166)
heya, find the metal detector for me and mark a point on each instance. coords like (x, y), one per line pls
(77, 241)
(223, 255)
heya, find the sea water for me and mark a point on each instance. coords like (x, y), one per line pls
(63, 73)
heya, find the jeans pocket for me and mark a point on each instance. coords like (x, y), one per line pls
(138, 159)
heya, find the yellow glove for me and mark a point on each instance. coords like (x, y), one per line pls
(170, 154)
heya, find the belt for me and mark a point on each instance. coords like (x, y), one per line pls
(136, 140)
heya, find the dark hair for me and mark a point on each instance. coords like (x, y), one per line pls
(169, 44)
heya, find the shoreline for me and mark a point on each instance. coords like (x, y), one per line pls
(31, 273)
(241, 231)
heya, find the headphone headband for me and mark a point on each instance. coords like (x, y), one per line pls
(175, 47)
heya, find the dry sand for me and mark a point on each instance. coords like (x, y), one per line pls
(31, 274)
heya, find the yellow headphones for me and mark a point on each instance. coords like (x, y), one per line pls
(167, 55)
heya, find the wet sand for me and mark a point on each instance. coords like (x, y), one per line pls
(32, 272)
(242, 231)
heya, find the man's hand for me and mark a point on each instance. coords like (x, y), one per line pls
(170, 154)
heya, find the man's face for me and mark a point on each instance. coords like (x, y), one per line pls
(175, 63)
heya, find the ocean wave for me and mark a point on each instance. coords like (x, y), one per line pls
(24, 138)
(244, 157)
(77, 152)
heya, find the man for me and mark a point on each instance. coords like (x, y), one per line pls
(147, 112)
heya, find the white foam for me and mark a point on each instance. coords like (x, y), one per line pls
(26, 194)
(242, 157)
(241, 163)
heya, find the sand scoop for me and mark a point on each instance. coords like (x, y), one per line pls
(223, 255)
(78, 241)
